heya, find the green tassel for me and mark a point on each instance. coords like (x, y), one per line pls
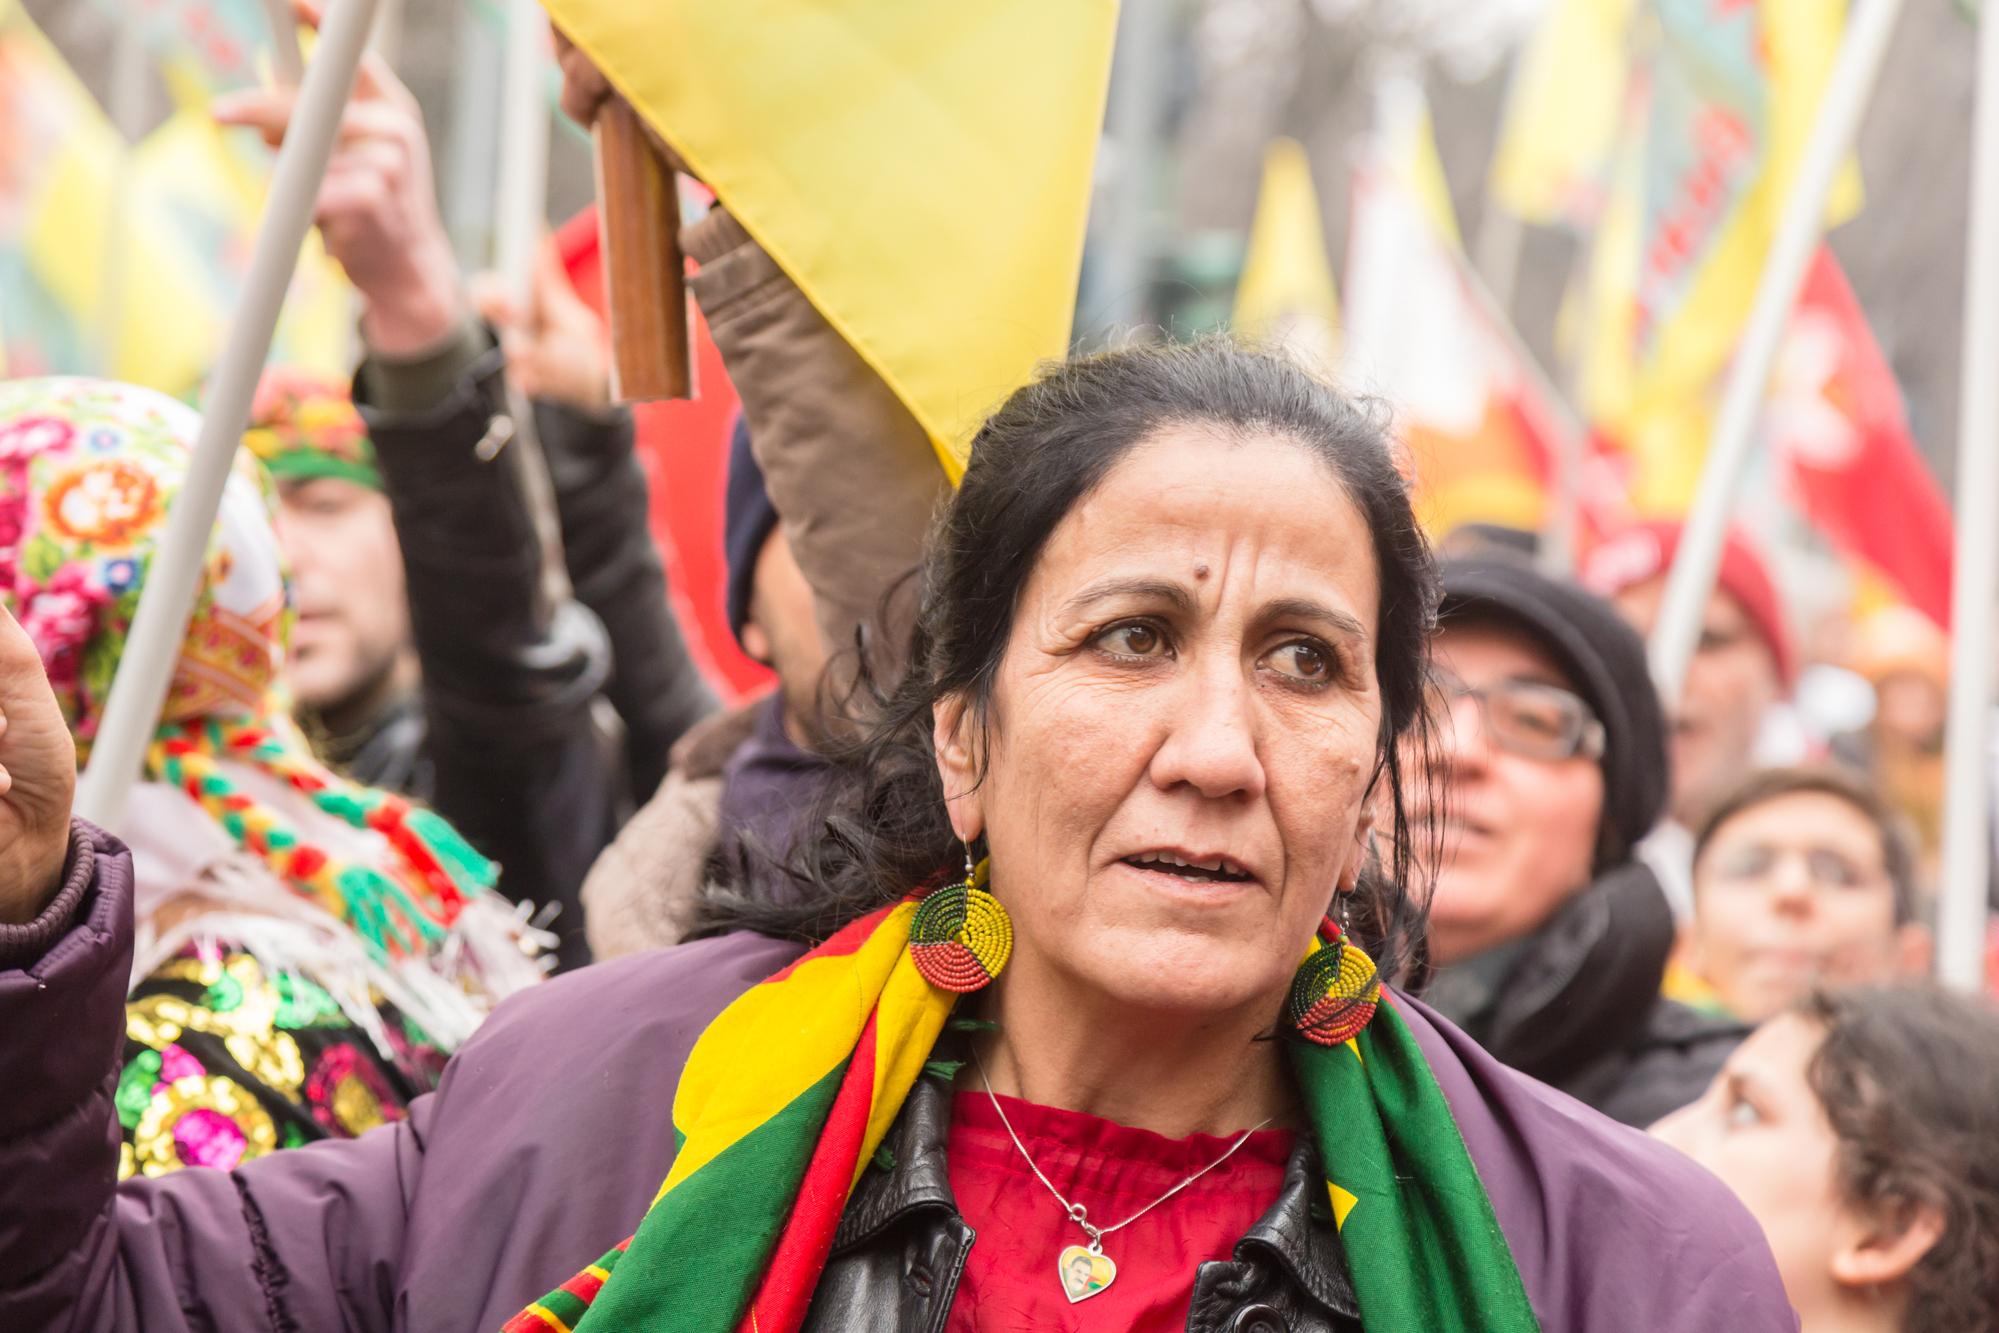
(884, 1159)
(971, 1025)
(944, 1069)
(469, 870)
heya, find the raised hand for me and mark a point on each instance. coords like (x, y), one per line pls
(557, 349)
(377, 207)
(37, 779)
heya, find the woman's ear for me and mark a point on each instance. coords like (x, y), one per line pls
(1880, 1251)
(1362, 850)
(951, 727)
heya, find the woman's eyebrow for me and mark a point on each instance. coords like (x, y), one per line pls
(1141, 589)
(1304, 608)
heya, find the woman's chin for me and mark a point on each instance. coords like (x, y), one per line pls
(1174, 972)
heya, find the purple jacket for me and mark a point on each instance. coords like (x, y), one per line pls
(551, 1132)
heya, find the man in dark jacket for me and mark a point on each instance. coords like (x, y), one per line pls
(1551, 939)
(494, 726)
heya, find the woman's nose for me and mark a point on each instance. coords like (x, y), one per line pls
(1461, 740)
(1210, 742)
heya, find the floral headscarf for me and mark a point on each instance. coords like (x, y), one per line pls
(88, 469)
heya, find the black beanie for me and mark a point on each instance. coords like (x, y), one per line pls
(1604, 659)
(747, 519)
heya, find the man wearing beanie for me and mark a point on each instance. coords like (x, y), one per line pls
(1550, 938)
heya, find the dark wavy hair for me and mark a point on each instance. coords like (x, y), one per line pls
(883, 828)
(1909, 1079)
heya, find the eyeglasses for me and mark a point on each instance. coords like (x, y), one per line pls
(1525, 717)
(1750, 863)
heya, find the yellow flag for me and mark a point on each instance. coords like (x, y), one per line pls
(1698, 189)
(1563, 108)
(131, 257)
(920, 169)
(1286, 294)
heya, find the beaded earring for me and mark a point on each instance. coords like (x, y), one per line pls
(1335, 991)
(961, 936)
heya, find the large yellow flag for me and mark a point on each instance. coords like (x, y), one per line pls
(1285, 295)
(1563, 108)
(1734, 90)
(920, 169)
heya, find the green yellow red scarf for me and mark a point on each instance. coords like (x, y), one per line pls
(789, 1092)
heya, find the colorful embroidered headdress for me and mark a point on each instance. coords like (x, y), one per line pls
(304, 426)
(88, 470)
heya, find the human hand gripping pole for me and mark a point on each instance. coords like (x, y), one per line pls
(37, 779)
(638, 213)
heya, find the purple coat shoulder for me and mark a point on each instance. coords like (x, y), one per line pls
(551, 1132)
(1610, 1229)
(541, 1148)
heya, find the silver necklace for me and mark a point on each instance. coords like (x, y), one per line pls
(1085, 1270)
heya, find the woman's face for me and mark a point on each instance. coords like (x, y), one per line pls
(1183, 727)
(1760, 1128)
(1519, 832)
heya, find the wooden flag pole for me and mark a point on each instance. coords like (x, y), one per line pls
(1799, 229)
(645, 287)
(1967, 810)
(139, 690)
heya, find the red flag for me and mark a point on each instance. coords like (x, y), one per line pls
(1838, 428)
(684, 448)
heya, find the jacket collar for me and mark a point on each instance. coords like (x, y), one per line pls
(915, 1178)
(1580, 987)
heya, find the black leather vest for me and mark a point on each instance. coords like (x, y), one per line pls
(901, 1248)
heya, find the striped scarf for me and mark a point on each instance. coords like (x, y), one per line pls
(789, 1092)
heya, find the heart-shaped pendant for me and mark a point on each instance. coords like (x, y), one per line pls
(1084, 1274)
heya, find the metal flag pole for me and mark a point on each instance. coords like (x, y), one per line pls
(1967, 811)
(1799, 229)
(519, 219)
(131, 714)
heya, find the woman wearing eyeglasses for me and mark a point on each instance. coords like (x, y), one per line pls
(1549, 936)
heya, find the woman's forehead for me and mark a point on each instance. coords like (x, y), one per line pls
(1192, 502)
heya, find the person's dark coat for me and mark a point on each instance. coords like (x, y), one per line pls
(1577, 1004)
(506, 743)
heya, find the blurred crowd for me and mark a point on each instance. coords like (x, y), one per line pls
(418, 755)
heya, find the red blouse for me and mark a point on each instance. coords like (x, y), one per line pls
(1011, 1283)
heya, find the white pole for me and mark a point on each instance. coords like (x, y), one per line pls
(1799, 229)
(519, 219)
(522, 190)
(1967, 842)
(131, 715)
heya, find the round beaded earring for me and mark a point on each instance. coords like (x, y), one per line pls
(1335, 991)
(961, 936)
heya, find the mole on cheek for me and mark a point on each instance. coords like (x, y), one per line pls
(1200, 572)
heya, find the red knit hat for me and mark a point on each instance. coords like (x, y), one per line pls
(1645, 551)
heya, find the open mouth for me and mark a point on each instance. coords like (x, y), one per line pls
(1209, 870)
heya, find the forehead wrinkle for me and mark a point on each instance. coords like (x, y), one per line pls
(1108, 589)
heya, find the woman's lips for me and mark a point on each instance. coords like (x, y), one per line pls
(1186, 882)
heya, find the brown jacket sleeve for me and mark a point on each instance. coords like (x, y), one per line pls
(852, 474)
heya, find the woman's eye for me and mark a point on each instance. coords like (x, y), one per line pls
(1133, 639)
(1303, 661)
